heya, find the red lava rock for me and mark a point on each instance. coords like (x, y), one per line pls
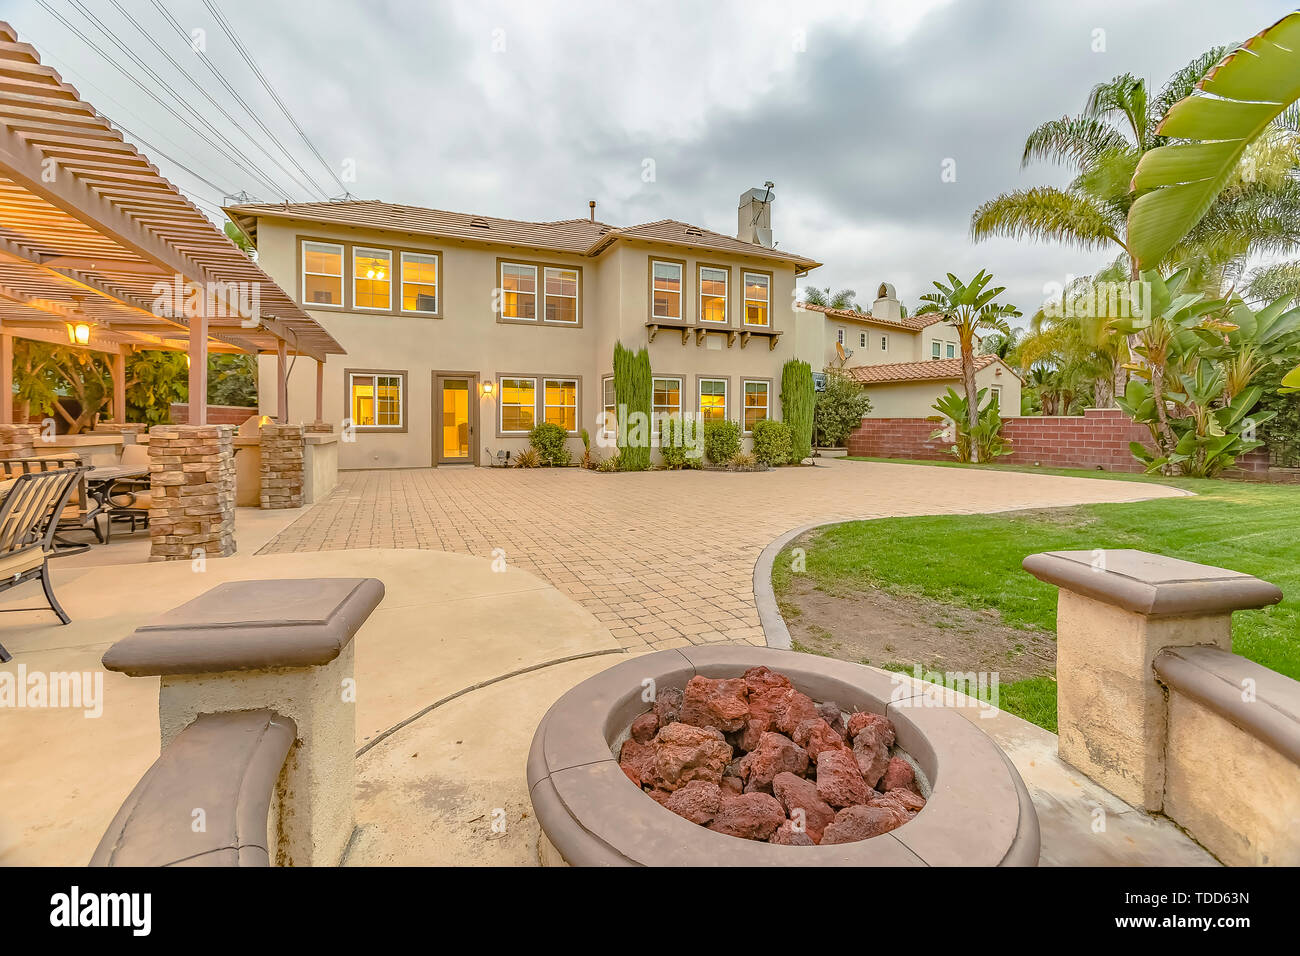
(815, 736)
(645, 727)
(638, 761)
(684, 753)
(723, 704)
(861, 823)
(839, 781)
(900, 799)
(774, 754)
(799, 797)
(871, 747)
(861, 720)
(831, 713)
(753, 816)
(767, 690)
(899, 775)
(734, 784)
(668, 705)
(797, 708)
(786, 835)
(659, 796)
(697, 801)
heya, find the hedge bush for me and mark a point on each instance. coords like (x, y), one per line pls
(632, 390)
(721, 441)
(798, 397)
(672, 444)
(772, 442)
(552, 444)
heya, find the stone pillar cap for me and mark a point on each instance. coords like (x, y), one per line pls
(250, 625)
(1151, 584)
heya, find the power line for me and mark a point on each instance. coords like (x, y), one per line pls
(203, 57)
(230, 32)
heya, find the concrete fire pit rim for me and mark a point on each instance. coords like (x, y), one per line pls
(978, 814)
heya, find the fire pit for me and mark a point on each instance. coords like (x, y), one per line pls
(976, 811)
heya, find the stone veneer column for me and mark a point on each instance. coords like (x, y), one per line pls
(192, 481)
(282, 464)
(1115, 611)
(17, 441)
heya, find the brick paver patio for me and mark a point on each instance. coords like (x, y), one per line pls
(661, 558)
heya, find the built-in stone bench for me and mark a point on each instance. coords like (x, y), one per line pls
(209, 798)
(279, 646)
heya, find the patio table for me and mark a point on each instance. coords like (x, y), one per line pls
(99, 485)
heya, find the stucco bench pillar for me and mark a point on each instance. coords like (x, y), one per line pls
(279, 645)
(1116, 610)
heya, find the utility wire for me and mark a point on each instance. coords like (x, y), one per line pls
(230, 32)
(208, 96)
(203, 57)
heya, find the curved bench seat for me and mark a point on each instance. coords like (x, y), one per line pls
(225, 765)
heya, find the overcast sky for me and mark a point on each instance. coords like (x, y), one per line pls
(656, 110)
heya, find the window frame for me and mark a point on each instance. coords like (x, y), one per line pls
(949, 350)
(352, 259)
(501, 286)
(539, 268)
(650, 283)
(401, 375)
(577, 295)
(726, 396)
(862, 340)
(348, 279)
(745, 300)
(342, 247)
(501, 404)
(437, 283)
(839, 336)
(699, 296)
(744, 406)
(606, 409)
(936, 349)
(539, 380)
(577, 400)
(884, 343)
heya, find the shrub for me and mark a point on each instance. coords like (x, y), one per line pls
(528, 458)
(721, 441)
(632, 391)
(743, 461)
(772, 442)
(608, 464)
(586, 447)
(987, 439)
(551, 443)
(672, 442)
(838, 409)
(798, 398)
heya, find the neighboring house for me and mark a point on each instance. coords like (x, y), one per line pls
(906, 362)
(463, 331)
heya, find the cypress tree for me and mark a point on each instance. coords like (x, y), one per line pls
(633, 392)
(797, 399)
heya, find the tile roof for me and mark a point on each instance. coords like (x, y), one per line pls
(581, 236)
(932, 370)
(912, 323)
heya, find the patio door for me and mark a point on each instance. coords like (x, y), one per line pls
(455, 418)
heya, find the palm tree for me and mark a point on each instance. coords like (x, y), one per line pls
(1003, 346)
(842, 299)
(969, 308)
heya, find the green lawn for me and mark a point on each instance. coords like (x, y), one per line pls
(974, 560)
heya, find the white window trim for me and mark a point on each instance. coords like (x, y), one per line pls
(501, 405)
(744, 313)
(574, 406)
(839, 336)
(401, 399)
(726, 396)
(604, 409)
(342, 276)
(949, 347)
(538, 302)
(681, 290)
(657, 413)
(577, 293)
(936, 349)
(744, 403)
(367, 250)
(862, 340)
(437, 282)
(884, 343)
(726, 294)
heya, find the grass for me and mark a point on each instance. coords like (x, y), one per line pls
(973, 561)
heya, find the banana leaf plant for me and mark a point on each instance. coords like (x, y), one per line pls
(984, 440)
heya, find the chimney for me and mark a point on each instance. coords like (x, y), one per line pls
(887, 305)
(591, 203)
(754, 215)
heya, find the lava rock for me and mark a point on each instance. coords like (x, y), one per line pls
(899, 775)
(831, 713)
(816, 736)
(797, 708)
(723, 703)
(684, 753)
(787, 835)
(733, 784)
(861, 823)
(668, 705)
(905, 800)
(872, 753)
(798, 795)
(697, 801)
(637, 760)
(774, 754)
(884, 727)
(645, 727)
(752, 816)
(839, 781)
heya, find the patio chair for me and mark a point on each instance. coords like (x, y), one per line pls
(28, 520)
(80, 513)
(130, 498)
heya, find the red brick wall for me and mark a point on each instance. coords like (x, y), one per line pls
(217, 414)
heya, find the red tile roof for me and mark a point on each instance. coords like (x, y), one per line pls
(912, 323)
(934, 370)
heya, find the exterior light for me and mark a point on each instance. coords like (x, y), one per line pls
(187, 360)
(487, 388)
(81, 333)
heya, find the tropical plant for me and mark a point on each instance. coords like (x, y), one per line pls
(721, 441)
(838, 409)
(551, 442)
(633, 394)
(798, 399)
(586, 447)
(232, 380)
(743, 461)
(608, 464)
(528, 458)
(980, 441)
(155, 380)
(772, 442)
(970, 308)
(840, 299)
(1004, 346)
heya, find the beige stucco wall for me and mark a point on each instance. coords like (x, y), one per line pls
(900, 345)
(468, 338)
(916, 399)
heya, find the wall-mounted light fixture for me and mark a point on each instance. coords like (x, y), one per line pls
(487, 389)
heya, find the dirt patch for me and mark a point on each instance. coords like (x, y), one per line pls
(872, 627)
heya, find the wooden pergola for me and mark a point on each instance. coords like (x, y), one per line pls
(99, 251)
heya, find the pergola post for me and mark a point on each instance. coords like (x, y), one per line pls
(281, 383)
(119, 388)
(320, 391)
(198, 353)
(6, 378)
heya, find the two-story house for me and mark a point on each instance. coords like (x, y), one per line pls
(905, 362)
(463, 331)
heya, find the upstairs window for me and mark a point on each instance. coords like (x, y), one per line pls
(419, 282)
(562, 295)
(758, 299)
(518, 404)
(713, 295)
(372, 278)
(839, 336)
(518, 292)
(935, 350)
(666, 290)
(322, 274)
(862, 340)
(950, 350)
(884, 343)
